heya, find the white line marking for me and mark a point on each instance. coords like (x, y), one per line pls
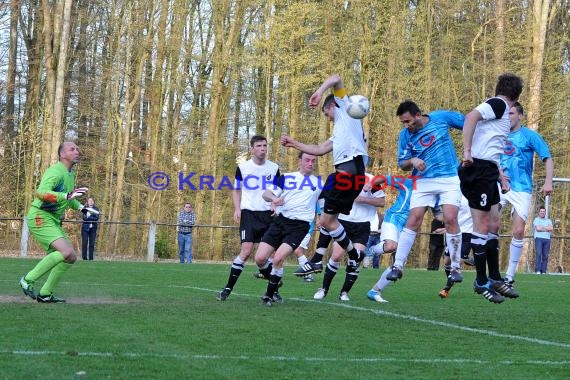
(374, 311)
(440, 323)
(282, 358)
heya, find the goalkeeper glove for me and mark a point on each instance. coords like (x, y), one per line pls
(79, 192)
(87, 209)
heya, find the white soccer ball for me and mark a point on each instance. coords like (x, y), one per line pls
(357, 106)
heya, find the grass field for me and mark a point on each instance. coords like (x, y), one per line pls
(127, 320)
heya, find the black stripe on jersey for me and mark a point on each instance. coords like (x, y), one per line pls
(498, 106)
(239, 176)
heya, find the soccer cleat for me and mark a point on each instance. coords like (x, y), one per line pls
(27, 288)
(455, 276)
(373, 295)
(259, 275)
(504, 288)
(224, 294)
(50, 298)
(395, 274)
(320, 294)
(344, 296)
(309, 268)
(266, 301)
(309, 278)
(277, 298)
(444, 293)
(488, 292)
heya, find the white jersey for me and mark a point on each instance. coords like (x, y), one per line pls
(348, 135)
(464, 218)
(300, 194)
(362, 212)
(491, 132)
(253, 180)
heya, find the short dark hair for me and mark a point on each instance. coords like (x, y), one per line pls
(509, 85)
(328, 100)
(60, 149)
(408, 106)
(255, 139)
(519, 108)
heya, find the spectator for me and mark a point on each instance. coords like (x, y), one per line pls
(436, 240)
(186, 220)
(89, 229)
(542, 228)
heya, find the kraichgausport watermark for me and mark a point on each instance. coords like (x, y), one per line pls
(343, 181)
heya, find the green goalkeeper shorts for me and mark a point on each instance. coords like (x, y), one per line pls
(46, 229)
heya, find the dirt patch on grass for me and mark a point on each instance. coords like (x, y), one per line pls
(70, 300)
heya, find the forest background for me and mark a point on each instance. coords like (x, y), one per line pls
(179, 86)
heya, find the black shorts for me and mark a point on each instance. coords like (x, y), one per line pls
(479, 184)
(342, 188)
(285, 230)
(253, 224)
(357, 232)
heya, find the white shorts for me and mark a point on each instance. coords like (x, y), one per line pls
(520, 202)
(389, 231)
(305, 243)
(432, 191)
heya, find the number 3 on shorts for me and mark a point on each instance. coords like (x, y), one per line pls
(483, 200)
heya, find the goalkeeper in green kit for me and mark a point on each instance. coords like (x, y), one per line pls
(55, 194)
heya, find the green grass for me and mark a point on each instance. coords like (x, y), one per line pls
(126, 320)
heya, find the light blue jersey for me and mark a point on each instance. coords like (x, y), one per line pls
(517, 159)
(398, 213)
(312, 225)
(433, 145)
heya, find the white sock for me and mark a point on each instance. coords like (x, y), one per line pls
(514, 257)
(382, 282)
(378, 249)
(277, 272)
(407, 238)
(453, 242)
(302, 260)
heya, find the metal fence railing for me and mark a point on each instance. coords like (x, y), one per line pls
(152, 241)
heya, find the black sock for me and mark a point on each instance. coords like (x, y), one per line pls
(349, 280)
(272, 285)
(449, 283)
(266, 271)
(322, 246)
(328, 277)
(478, 245)
(493, 256)
(235, 272)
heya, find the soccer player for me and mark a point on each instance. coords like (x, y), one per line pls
(426, 148)
(466, 225)
(294, 203)
(517, 164)
(357, 227)
(484, 133)
(55, 194)
(302, 249)
(253, 177)
(349, 158)
(393, 223)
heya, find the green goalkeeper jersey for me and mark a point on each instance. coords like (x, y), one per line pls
(51, 195)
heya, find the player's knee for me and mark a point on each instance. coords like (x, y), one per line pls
(69, 257)
(518, 232)
(390, 246)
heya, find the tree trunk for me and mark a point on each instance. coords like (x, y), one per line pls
(58, 111)
(8, 122)
(540, 12)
